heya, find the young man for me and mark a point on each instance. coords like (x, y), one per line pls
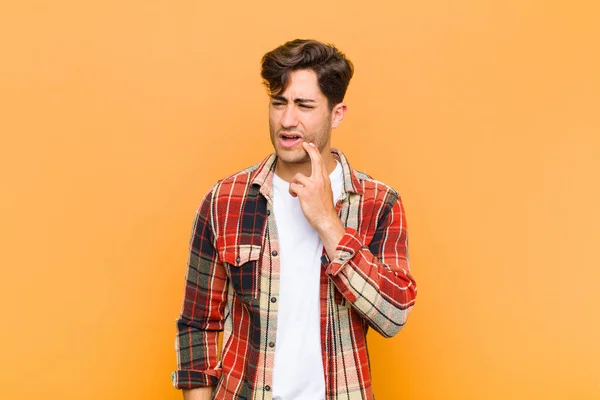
(296, 257)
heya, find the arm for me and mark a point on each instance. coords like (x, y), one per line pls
(202, 313)
(376, 278)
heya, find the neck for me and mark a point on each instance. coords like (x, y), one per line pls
(287, 171)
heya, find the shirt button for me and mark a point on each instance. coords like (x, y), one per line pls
(271, 344)
(237, 260)
(273, 299)
(274, 253)
(268, 212)
(268, 388)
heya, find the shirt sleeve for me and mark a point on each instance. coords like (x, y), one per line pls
(202, 314)
(375, 278)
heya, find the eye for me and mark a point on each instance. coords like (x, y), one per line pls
(276, 103)
(306, 107)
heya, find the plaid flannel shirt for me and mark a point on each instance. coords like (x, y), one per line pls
(232, 285)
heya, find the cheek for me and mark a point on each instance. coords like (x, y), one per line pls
(318, 123)
(310, 123)
(272, 120)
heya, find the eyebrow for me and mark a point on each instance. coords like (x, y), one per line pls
(296, 100)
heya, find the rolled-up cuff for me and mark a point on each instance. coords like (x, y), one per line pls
(191, 379)
(348, 246)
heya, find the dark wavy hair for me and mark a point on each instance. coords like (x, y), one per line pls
(333, 69)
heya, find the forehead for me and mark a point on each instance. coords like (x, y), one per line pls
(304, 84)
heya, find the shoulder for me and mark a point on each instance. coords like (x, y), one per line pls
(240, 178)
(369, 188)
(236, 184)
(376, 190)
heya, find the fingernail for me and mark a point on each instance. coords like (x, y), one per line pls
(312, 144)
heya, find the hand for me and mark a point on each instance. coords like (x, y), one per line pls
(316, 200)
(314, 192)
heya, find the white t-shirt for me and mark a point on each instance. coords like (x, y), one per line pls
(298, 370)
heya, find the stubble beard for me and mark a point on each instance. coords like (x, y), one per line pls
(321, 139)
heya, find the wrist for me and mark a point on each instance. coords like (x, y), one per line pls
(331, 232)
(330, 225)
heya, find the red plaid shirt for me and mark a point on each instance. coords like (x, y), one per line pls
(232, 285)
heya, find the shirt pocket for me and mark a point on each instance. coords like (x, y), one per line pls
(243, 267)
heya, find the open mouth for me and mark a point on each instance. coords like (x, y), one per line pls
(289, 140)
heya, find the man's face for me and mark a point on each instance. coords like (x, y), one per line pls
(299, 114)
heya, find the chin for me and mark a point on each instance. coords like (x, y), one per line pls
(293, 157)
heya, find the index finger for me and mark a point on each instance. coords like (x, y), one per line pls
(315, 159)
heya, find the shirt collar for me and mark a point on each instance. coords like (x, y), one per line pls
(263, 174)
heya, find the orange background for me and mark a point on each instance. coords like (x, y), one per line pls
(116, 117)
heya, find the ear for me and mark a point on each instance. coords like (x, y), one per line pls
(337, 114)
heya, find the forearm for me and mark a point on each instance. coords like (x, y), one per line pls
(331, 232)
(204, 393)
(197, 351)
(376, 278)
(382, 295)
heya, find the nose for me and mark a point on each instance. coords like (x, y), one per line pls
(289, 119)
